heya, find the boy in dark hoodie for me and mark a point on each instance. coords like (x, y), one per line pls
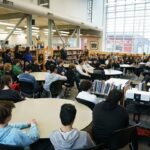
(67, 137)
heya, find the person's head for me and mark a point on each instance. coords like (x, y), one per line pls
(16, 48)
(49, 57)
(52, 68)
(6, 111)
(85, 85)
(28, 68)
(7, 67)
(58, 47)
(81, 62)
(71, 66)
(17, 62)
(60, 62)
(7, 51)
(6, 80)
(27, 50)
(67, 114)
(114, 97)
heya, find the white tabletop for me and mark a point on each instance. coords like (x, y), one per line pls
(39, 76)
(117, 82)
(126, 66)
(46, 112)
(142, 63)
(111, 72)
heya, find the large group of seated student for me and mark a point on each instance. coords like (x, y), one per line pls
(108, 116)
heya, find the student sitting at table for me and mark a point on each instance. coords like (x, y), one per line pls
(35, 66)
(85, 94)
(87, 66)
(61, 69)
(67, 137)
(27, 77)
(83, 73)
(50, 61)
(6, 93)
(11, 134)
(8, 69)
(109, 116)
(16, 69)
(51, 77)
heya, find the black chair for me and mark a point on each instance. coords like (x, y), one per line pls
(97, 147)
(122, 137)
(56, 88)
(10, 147)
(27, 89)
(87, 103)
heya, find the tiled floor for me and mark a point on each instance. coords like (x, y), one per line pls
(143, 143)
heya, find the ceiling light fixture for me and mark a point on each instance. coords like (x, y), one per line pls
(11, 28)
(65, 32)
(7, 24)
(36, 28)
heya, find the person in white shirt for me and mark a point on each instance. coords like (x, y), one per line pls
(148, 63)
(85, 88)
(81, 70)
(51, 77)
(87, 67)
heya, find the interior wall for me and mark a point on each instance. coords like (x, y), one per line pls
(15, 39)
(77, 9)
(71, 8)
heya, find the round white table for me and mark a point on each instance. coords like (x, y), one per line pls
(111, 72)
(46, 112)
(39, 76)
(126, 66)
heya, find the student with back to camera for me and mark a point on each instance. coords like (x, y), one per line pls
(67, 137)
(11, 134)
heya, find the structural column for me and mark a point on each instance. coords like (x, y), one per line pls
(78, 37)
(29, 30)
(50, 28)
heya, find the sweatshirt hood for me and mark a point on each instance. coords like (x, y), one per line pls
(64, 140)
(4, 132)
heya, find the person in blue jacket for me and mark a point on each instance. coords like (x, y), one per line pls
(27, 55)
(11, 134)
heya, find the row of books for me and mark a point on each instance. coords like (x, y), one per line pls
(103, 88)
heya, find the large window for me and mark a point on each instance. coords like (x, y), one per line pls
(44, 3)
(128, 25)
(89, 10)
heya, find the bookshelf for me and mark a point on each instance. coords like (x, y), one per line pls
(72, 54)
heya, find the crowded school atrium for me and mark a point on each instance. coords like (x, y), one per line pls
(74, 74)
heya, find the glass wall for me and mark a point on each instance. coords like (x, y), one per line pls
(128, 26)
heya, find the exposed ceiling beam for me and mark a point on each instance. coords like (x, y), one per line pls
(11, 16)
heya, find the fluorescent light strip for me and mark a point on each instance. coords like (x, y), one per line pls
(44, 4)
(47, 30)
(7, 24)
(36, 31)
(36, 28)
(11, 28)
(64, 32)
(3, 32)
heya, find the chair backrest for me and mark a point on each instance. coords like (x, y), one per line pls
(55, 88)
(85, 102)
(122, 137)
(97, 147)
(10, 147)
(26, 87)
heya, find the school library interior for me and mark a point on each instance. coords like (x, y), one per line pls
(74, 74)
